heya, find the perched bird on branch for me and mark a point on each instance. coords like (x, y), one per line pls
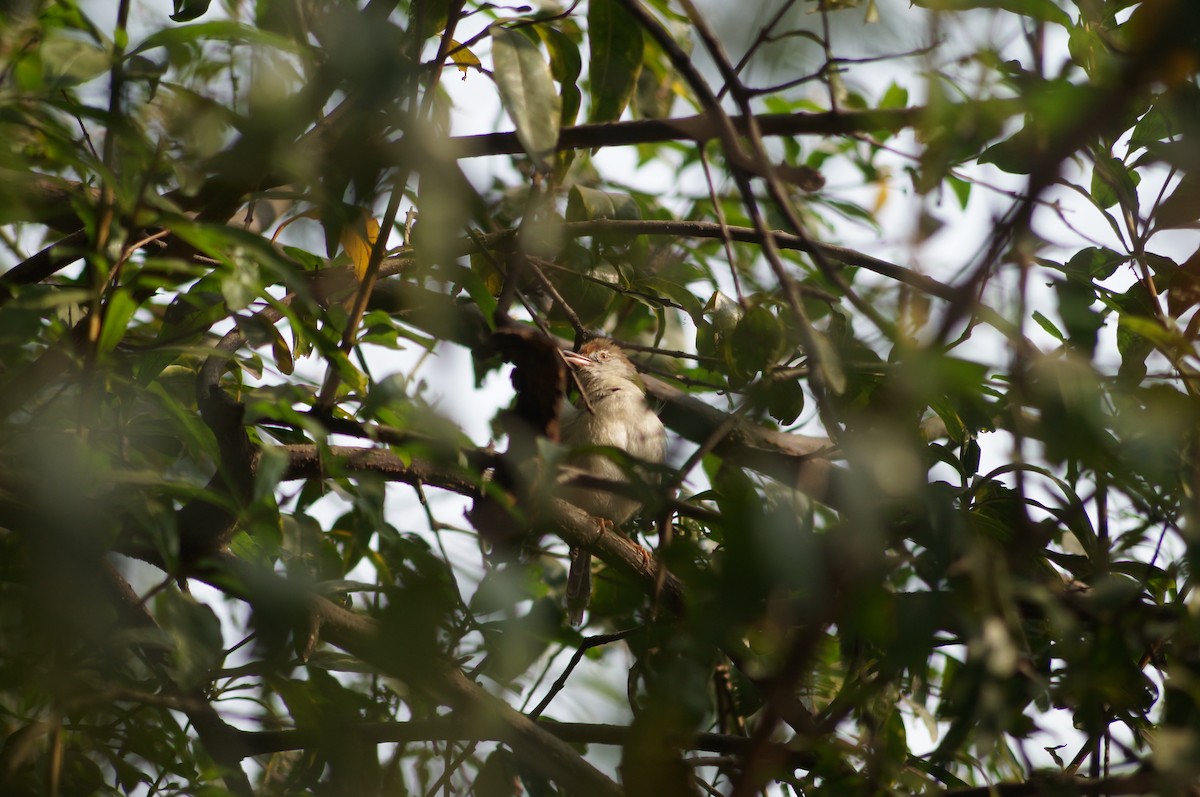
(612, 412)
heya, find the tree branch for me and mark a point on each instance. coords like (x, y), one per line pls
(307, 462)
(705, 127)
(450, 730)
(1141, 782)
(708, 229)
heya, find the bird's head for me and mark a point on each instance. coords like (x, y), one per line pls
(602, 366)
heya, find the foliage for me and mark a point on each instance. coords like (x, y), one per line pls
(927, 526)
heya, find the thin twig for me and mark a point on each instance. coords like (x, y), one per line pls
(584, 646)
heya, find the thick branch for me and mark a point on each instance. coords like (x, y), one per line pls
(454, 731)
(306, 462)
(580, 530)
(574, 526)
(793, 459)
(1143, 782)
(706, 127)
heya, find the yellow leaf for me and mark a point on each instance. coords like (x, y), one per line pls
(283, 355)
(881, 196)
(357, 239)
(463, 58)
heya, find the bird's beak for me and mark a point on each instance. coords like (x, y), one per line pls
(575, 359)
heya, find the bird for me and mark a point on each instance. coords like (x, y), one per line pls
(612, 411)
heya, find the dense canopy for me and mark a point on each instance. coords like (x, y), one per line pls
(283, 287)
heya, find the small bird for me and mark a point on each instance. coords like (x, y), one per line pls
(614, 413)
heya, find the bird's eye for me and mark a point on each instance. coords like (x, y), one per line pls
(603, 355)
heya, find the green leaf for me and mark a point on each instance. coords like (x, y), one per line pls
(896, 96)
(655, 93)
(1152, 128)
(757, 339)
(196, 632)
(282, 354)
(971, 454)
(1152, 330)
(475, 286)
(1113, 182)
(1182, 154)
(1094, 263)
(961, 189)
(565, 61)
(937, 771)
(676, 292)
(513, 644)
(724, 312)
(1075, 299)
(498, 775)
(1182, 207)
(1015, 153)
(851, 210)
(785, 400)
(272, 465)
(1045, 10)
(616, 59)
(1048, 325)
(828, 362)
(186, 10)
(68, 61)
(527, 93)
(590, 204)
(565, 65)
(117, 312)
(217, 30)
